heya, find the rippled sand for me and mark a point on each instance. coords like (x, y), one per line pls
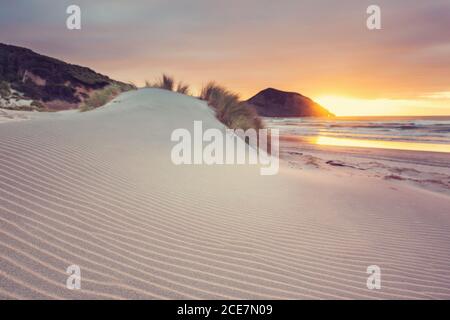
(98, 190)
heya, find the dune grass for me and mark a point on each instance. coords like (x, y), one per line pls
(100, 97)
(183, 88)
(232, 112)
(5, 89)
(167, 82)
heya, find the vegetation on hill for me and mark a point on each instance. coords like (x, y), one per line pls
(232, 112)
(46, 79)
(167, 82)
(5, 89)
(100, 97)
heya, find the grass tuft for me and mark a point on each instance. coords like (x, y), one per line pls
(183, 88)
(229, 109)
(100, 97)
(5, 89)
(166, 82)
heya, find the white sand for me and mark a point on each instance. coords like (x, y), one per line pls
(428, 170)
(98, 189)
(12, 115)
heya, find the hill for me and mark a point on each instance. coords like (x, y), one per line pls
(29, 80)
(276, 103)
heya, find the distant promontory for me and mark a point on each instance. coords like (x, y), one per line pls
(276, 103)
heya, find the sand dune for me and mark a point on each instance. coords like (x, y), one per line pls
(98, 190)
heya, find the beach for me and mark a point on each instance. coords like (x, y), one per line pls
(98, 190)
(427, 170)
(413, 150)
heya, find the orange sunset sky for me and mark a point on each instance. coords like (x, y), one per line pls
(321, 49)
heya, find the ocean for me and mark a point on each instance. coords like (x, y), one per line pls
(426, 133)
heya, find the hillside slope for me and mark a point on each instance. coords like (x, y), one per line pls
(276, 103)
(51, 83)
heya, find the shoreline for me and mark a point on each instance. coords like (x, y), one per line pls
(426, 169)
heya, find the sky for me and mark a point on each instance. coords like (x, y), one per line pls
(319, 48)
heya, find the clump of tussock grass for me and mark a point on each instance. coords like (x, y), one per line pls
(39, 106)
(5, 89)
(232, 112)
(183, 88)
(128, 86)
(167, 82)
(101, 97)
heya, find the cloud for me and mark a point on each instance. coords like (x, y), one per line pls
(437, 95)
(316, 47)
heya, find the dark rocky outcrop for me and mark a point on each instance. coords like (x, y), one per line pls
(276, 103)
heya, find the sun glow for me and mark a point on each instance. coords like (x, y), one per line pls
(348, 106)
(343, 142)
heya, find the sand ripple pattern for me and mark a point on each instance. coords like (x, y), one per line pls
(98, 190)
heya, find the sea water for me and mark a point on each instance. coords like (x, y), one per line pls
(427, 133)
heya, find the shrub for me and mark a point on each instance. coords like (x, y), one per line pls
(100, 97)
(183, 88)
(38, 105)
(124, 87)
(212, 92)
(5, 89)
(229, 110)
(240, 116)
(166, 82)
